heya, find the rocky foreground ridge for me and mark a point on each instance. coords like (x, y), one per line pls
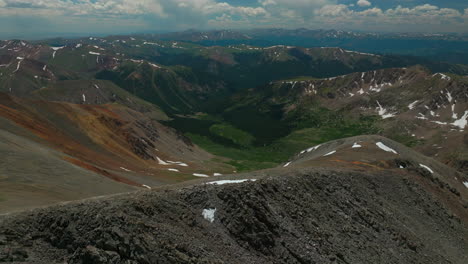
(337, 203)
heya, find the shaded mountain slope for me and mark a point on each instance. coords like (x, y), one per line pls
(411, 105)
(107, 142)
(297, 214)
(178, 77)
(33, 174)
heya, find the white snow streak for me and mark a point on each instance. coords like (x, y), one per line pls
(413, 104)
(385, 148)
(449, 97)
(439, 123)
(356, 145)
(442, 76)
(466, 184)
(55, 50)
(20, 59)
(230, 181)
(310, 149)
(330, 153)
(426, 167)
(383, 112)
(174, 170)
(200, 175)
(125, 169)
(421, 116)
(287, 164)
(454, 115)
(146, 186)
(162, 162)
(178, 163)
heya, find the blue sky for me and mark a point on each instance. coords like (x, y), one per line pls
(46, 18)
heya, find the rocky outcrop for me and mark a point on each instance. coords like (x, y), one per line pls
(287, 215)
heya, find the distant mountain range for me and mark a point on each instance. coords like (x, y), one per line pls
(134, 108)
(444, 47)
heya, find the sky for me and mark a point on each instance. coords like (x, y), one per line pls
(48, 18)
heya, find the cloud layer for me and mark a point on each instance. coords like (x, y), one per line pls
(115, 16)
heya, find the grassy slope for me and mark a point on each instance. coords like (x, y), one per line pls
(258, 154)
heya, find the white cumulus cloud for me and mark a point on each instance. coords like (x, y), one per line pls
(139, 15)
(363, 3)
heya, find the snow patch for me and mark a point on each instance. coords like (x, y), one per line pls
(454, 115)
(439, 123)
(442, 76)
(421, 116)
(174, 170)
(162, 162)
(200, 175)
(449, 97)
(466, 184)
(94, 53)
(287, 164)
(385, 148)
(413, 104)
(230, 181)
(217, 174)
(310, 149)
(356, 145)
(461, 123)
(426, 167)
(383, 112)
(20, 59)
(125, 169)
(154, 65)
(330, 153)
(209, 214)
(178, 163)
(83, 97)
(146, 186)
